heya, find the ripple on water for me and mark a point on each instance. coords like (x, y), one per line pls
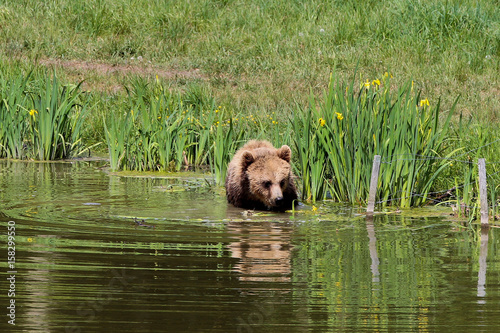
(98, 252)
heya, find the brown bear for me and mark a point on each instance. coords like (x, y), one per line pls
(259, 177)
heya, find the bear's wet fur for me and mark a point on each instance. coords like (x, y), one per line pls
(260, 177)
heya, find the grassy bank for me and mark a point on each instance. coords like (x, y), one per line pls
(261, 55)
(334, 138)
(169, 82)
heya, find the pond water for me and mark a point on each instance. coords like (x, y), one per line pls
(104, 253)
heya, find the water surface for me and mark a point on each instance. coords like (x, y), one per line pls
(104, 253)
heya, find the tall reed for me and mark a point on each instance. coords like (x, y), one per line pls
(40, 118)
(473, 141)
(344, 130)
(164, 130)
(57, 120)
(13, 117)
(226, 140)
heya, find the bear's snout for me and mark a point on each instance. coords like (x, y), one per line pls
(276, 195)
(279, 201)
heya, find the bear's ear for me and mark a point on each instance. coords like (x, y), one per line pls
(247, 159)
(285, 153)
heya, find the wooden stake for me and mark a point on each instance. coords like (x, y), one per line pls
(373, 185)
(483, 193)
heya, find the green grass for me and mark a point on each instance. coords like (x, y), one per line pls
(474, 141)
(40, 122)
(338, 135)
(162, 131)
(264, 54)
(260, 63)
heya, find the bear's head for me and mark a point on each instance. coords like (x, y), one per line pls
(268, 172)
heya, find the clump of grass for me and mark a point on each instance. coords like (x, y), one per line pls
(226, 142)
(164, 130)
(43, 123)
(116, 134)
(13, 118)
(147, 134)
(56, 120)
(310, 164)
(472, 141)
(342, 132)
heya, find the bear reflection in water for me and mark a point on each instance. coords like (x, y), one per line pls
(259, 177)
(264, 250)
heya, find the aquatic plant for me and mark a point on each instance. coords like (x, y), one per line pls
(146, 137)
(43, 123)
(310, 166)
(116, 134)
(336, 138)
(13, 118)
(56, 127)
(165, 130)
(472, 141)
(226, 141)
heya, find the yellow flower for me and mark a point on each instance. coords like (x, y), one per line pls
(322, 122)
(32, 112)
(339, 115)
(424, 102)
(376, 82)
(314, 208)
(367, 84)
(30, 239)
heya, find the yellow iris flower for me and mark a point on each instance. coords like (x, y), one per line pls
(424, 102)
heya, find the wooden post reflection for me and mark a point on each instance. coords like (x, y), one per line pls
(481, 276)
(370, 228)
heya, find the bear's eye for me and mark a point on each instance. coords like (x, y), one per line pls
(282, 183)
(267, 184)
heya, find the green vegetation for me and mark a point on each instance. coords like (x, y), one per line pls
(163, 83)
(41, 123)
(338, 136)
(162, 131)
(261, 55)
